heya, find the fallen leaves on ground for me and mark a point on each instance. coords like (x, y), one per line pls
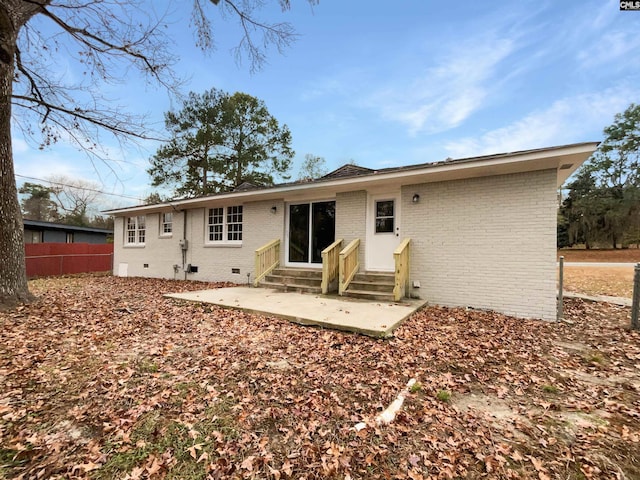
(103, 377)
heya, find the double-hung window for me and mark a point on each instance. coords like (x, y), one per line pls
(135, 231)
(224, 225)
(234, 224)
(166, 224)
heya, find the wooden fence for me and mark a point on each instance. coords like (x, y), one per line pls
(47, 259)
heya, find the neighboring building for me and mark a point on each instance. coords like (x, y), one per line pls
(36, 231)
(482, 230)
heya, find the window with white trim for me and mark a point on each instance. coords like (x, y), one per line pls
(234, 223)
(166, 224)
(216, 224)
(224, 225)
(136, 230)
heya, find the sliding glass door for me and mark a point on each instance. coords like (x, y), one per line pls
(312, 228)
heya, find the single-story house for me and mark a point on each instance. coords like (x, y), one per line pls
(478, 232)
(36, 231)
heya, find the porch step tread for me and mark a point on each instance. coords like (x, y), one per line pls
(374, 277)
(369, 295)
(291, 280)
(297, 272)
(371, 286)
(291, 287)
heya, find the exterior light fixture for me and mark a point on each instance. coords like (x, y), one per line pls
(274, 209)
(416, 198)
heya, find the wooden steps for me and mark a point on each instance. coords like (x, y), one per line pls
(375, 286)
(294, 280)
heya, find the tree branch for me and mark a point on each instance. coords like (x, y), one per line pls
(101, 45)
(84, 115)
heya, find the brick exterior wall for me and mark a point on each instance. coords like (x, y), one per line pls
(214, 262)
(351, 212)
(159, 253)
(485, 242)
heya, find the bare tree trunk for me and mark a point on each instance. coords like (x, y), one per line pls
(13, 277)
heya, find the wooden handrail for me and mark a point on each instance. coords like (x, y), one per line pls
(330, 264)
(267, 258)
(401, 259)
(349, 264)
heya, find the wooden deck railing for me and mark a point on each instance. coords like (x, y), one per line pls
(330, 265)
(349, 264)
(267, 258)
(401, 257)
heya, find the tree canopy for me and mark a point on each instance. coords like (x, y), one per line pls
(37, 203)
(603, 202)
(66, 200)
(110, 40)
(312, 167)
(219, 141)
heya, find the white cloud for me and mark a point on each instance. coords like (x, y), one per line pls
(601, 35)
(447, 94)
(606, 14)
(617, 47)
(566, 120)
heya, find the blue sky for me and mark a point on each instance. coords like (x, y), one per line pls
(383, 86)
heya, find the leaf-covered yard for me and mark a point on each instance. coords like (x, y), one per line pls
(105, 378)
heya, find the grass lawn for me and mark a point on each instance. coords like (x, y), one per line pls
(104, 378)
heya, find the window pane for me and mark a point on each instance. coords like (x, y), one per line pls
(299, 233)
(384, 225)
(324, 228)
(234, 223)
(167, 222)
(131, 229)
(216, 225)
(141, 229)
(384, 216)
(384, 208)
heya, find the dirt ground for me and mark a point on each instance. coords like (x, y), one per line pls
(628, 255)
(104, 378)
(613, 281)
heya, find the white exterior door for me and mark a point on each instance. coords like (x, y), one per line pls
(383, 231)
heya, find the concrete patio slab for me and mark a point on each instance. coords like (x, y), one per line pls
(377, 319)
(622, 301)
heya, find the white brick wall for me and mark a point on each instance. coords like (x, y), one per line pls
(486, 242)
(159, 253)
(351, 211)
(214, 262)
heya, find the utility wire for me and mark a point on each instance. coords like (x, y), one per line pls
(81, 188)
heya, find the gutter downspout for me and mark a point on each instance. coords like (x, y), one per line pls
(184, 237)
